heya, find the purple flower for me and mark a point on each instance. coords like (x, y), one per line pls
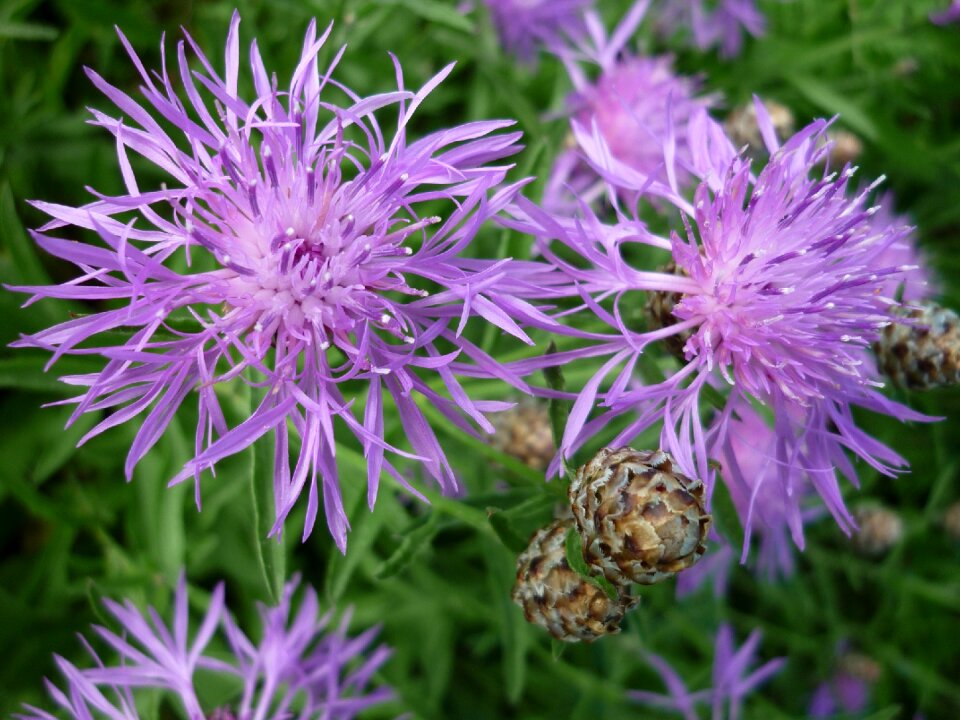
(778, 296)
(300, 668)
(850, 688)
(526, 25)
(772, 499)
(731, 682)
(918, 285)
(288, 253)
(634, 105)
(945, 17)
(723, 26)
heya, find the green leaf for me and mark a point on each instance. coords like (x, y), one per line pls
(270, 551)
(503, 527)
(26, 31)
(559, 410)
(888, 713)
(825, 97)
(574, 551)
(365, 526)
(513, 627)
(441, 13)
(725, 516)
(415, 539)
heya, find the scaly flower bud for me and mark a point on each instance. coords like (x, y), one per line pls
(640, 520)
(923, 353)
(555, 597)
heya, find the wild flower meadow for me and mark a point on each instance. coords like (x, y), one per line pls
(504, 358)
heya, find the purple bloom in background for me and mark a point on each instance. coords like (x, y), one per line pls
(723, 26)
(287, 252)
(779, 294)
(771, 497)
(850, 688)
(524, 26)
(732, 683)
(918, 285)
(301, 668)
(945, 17)
(635, 104)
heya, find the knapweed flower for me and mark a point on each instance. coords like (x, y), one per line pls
(947, 16)
(850, 688)
(287, 251)
(524, 26)
(722, 26)
(918, 285)
(772, 501)
(634, 104)
(301, 667)
(779, 295)
(732, 683)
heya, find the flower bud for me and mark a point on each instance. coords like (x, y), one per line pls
(880, 529)
(744, 130)
(554, 596)
(924, 353)
(659, 311)
(846, 148)
(524, 432)
(640, 520)
(951, 521)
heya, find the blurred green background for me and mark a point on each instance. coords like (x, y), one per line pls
(438, 579)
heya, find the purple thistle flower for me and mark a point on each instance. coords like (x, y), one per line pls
(301, 668)
(920, 284)
(288, 253)
(779, 298)
(731, 682)
(635, 104)
(772, 502)
(524, 26)
(724, 26)
(947, 16)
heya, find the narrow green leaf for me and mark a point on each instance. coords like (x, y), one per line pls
(826, 98)
(365, 526)
(574, 551)
(270, 551)
(559, 410)
(888, 713)
(503, 527)
(438, 12)
(414, 540)
(725, 516)
(513, 627)
(26, 31)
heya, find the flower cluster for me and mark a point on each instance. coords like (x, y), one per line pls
(299, 668)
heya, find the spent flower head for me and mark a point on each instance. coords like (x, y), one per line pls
(295, 249)
(302, 667)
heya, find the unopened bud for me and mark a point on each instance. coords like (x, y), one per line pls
(924, 352)
(524, 432)
(640, 520)
(880, 529)
(554, 596)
